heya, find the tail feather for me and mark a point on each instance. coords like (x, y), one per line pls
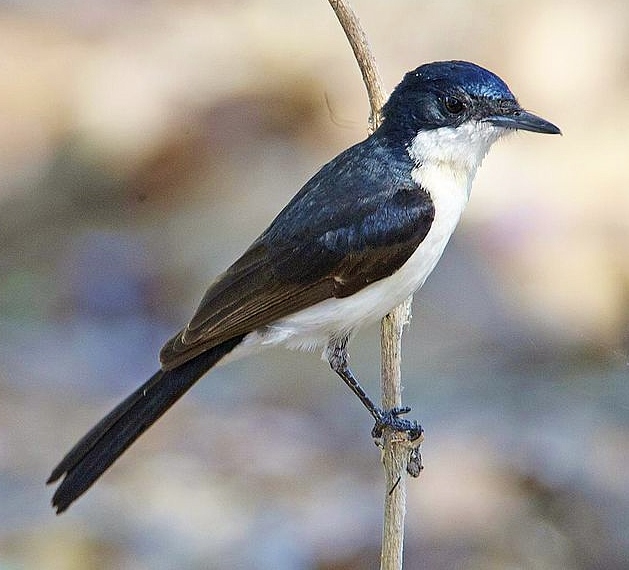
(110, 437)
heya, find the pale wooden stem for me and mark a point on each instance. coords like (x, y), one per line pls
(394, 449)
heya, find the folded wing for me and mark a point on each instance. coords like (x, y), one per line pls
(340, 233)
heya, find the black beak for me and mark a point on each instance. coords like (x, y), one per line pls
(525, 121)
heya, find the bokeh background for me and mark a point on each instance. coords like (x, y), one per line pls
(144, 144)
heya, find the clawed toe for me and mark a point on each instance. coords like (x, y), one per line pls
(391, 418)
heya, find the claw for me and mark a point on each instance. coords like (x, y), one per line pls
(391, 418)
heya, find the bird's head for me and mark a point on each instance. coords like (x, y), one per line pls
(452, 112)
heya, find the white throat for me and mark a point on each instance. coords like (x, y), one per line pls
(459, 151)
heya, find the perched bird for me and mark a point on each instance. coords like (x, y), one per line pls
(361, 236)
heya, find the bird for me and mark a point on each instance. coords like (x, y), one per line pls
(359, 238)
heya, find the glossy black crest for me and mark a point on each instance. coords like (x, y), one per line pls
(446, 93)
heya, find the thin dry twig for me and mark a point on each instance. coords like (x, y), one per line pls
(399, 455)
(364, 56)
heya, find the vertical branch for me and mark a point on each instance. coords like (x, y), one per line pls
(364, 57)
(399, 455)
(394, 453)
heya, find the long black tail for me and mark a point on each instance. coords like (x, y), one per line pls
(110, 437)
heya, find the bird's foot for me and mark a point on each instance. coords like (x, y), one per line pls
(391, 419)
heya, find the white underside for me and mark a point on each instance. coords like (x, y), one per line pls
(450, 158)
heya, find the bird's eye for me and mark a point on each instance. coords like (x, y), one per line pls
(454, 105)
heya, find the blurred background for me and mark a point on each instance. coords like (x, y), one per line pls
(145, 144)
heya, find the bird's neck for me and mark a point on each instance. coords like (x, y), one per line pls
(456, 152)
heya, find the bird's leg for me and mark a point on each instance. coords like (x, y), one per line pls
(336, 353)
(337, 356)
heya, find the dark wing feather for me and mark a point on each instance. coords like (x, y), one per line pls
(327, 242)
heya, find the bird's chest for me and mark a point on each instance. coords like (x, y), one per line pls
(449, 190)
